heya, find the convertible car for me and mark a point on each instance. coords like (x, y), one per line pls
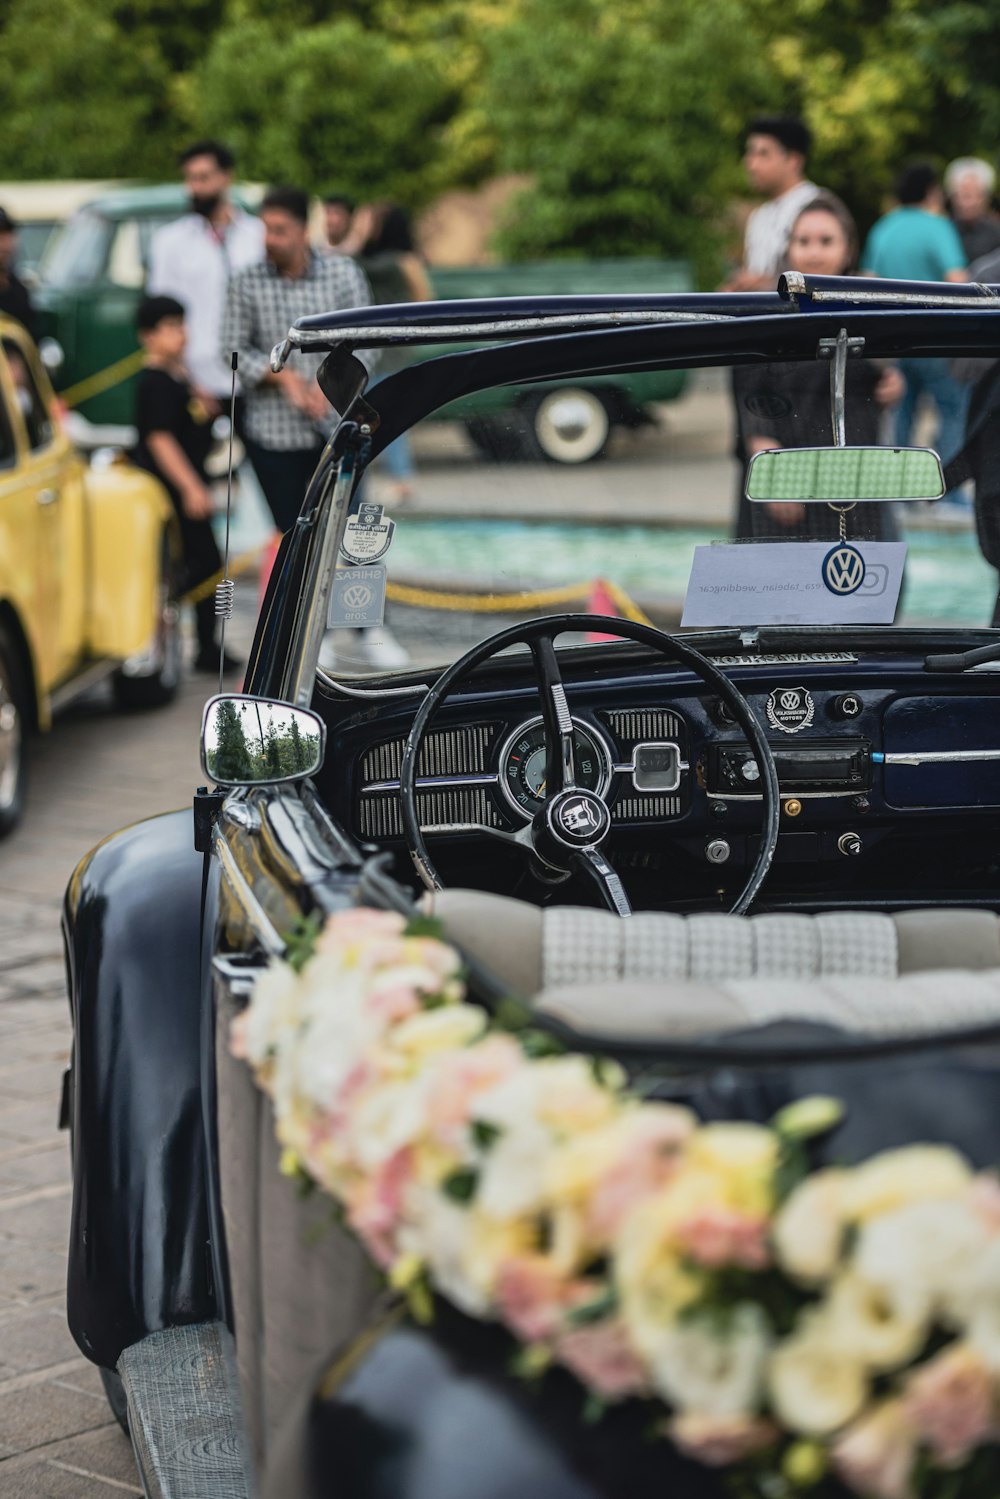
(567, 1063)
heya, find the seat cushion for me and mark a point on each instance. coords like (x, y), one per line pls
(529, 948)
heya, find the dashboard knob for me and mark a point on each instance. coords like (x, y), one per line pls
(847, 705)
(717, 851)
(750, 770)
(849, 844)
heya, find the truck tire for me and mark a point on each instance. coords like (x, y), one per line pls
(152, 681)
(571, 424)
(13, 761)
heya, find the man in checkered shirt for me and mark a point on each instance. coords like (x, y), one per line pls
(287, 416)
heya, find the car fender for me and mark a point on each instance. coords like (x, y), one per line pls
(128, 511)
(139, 1242)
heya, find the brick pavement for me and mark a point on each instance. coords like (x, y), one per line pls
(96, 771)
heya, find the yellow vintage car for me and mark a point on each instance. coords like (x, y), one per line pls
(86, 561)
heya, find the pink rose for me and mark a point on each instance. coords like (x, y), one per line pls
(875, 1454)
(649, 1159)
(719, 1441)
(459, 1076)
(950, 1402)
(395, 1003)
(533, 1296)
(602, 1359)
(358, 924)
(238, 1035)
(375, 1208)
(984, 1195)
(718, 1236)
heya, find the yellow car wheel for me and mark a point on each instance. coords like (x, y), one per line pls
(13, 764)
(152, 679)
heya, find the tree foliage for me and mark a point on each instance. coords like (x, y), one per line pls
(626, 118)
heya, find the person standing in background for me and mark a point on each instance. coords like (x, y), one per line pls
(194, 258)
(287, 415)
(968, 184)
(338, 211)
(777, 147)
(917, 242)
(15, 300)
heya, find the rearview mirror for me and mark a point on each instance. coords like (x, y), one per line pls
(249, 741)
(844, 476)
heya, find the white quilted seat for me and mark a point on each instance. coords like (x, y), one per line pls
(658, 975)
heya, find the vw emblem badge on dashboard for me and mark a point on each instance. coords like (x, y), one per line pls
(843, 569)
(790, 709)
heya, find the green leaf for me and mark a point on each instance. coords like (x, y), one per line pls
(594, 1410)
(484, 1134)
(425, 926)
(604, 1305)
(461, 1185)
(300, 943)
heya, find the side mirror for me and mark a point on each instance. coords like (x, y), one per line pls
(250, 741)
(844, 476)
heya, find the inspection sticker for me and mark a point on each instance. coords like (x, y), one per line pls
(357, 598)
(367, 535)
(795, 583)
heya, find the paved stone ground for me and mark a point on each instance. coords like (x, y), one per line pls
(97, 771)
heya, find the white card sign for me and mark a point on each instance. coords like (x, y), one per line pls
(795, 583)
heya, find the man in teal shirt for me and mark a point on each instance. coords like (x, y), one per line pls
(916, 242)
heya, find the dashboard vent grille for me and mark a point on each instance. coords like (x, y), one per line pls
(446, 753)
(641, 808)
(645, 723)
(379, 816)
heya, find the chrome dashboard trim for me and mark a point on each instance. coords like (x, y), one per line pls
(433, 783)
(628, 768)
(601, 744)
(933, 757)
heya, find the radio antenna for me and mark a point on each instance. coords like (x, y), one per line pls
(225, 589)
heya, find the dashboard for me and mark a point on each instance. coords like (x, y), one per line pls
(889, 777)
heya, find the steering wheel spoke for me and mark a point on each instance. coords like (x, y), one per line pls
(591, 862)
(560, 756)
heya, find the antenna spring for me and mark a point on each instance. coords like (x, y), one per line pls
(224, 594)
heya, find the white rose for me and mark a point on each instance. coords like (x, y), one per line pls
(883, 1326)
(447, 1029)
(815, 1385)
(512, 1181)
(273, 1012)
(808, 1232)
(894, 1178)
(389, 1117)
(928, 1247)
(710, 1367)
(974, 1304)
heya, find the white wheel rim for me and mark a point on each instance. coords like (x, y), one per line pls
(571, 425)
(10, 745)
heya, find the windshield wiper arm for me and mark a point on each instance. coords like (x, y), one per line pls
(962, 660)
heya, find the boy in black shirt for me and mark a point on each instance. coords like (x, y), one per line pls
(175, 436)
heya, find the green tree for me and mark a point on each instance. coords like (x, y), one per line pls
(231, 761)
(627, 119)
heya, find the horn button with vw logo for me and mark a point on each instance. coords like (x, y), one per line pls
(575, 819)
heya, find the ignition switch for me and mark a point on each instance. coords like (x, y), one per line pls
(849, 844)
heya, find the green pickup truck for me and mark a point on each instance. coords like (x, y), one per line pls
(94, 270)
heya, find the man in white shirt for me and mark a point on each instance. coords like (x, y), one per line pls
(775, 159)
(195, 258)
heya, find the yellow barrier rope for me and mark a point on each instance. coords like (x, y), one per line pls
(465, 603)
(102, 380)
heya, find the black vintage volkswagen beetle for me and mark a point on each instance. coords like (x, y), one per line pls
(806, 815)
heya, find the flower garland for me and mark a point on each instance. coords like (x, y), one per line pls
(794, 1325)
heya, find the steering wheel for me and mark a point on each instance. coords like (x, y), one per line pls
(567, 833)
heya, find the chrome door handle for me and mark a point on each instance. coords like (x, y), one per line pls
(47, 496)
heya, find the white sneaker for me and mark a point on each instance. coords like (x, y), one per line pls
(382, 648)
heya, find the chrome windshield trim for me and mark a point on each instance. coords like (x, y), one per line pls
(334, 684)
(795, 285)
(939, 757)
(363, 335)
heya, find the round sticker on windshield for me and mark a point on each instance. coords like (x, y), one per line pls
(790, 709)
(843, 569)
(367, 535)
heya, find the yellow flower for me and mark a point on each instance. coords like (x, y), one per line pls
(894, 1178)
(743, 1158)
(804, 1464)
(816, 1386)
(447, 1029)
(808, 1231)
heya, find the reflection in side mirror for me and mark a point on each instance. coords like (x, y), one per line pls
(845, 476)
(249, 741)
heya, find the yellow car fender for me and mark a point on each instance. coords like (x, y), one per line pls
(130, 522)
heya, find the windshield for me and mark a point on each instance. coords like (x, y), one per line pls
(76, 254)
(599, 496)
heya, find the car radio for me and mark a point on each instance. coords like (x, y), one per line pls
(830, 766)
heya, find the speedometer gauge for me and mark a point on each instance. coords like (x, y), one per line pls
(522, 765)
